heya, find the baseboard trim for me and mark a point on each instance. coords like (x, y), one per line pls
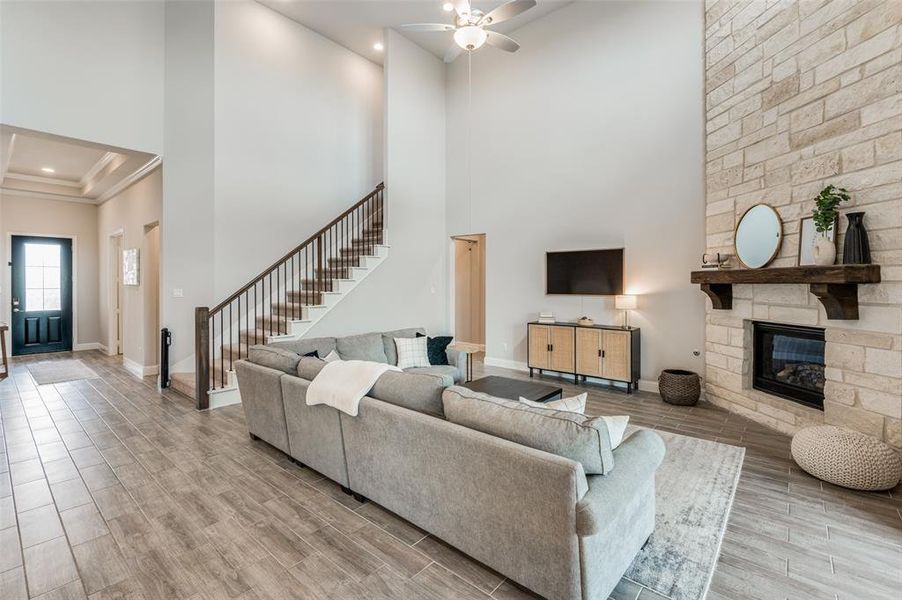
(505, 363)
(139, 370)
(88, 346)
(646, 385)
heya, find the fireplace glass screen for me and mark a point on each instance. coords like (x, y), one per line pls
(789, 362)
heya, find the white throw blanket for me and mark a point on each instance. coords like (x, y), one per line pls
(342, 383)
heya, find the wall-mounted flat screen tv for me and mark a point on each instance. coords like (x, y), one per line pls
(585, 272)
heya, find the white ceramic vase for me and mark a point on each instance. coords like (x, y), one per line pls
(824, 251)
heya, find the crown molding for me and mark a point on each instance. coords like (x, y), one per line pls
(132, 179)
(43, 180)
(93, 171)
(46, 195)
(4, 167)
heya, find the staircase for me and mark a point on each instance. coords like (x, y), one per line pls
(285, 300)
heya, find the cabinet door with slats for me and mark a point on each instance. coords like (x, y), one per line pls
(562, 349)
(588, 352)
(539, 341)
(616, 361)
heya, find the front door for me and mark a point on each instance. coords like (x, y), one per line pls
(41, 294)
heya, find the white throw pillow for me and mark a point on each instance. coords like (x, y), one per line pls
(616, 425)
(332, 357)
(575, 404)
(412, 352)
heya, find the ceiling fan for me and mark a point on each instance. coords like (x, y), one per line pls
(470, 25)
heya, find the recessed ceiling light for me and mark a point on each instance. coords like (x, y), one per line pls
(378, 46)
(48, 169)
(447, 7)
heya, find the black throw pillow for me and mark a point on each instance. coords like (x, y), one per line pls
(437, 349)
(314, 354)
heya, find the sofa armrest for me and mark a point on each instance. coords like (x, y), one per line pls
(457, 358)
(637, 459)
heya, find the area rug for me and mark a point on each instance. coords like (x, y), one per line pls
(694, 489)
(57, 371)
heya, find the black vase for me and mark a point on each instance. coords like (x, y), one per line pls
(856, 248)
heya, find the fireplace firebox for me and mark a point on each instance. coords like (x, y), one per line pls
(789, 362)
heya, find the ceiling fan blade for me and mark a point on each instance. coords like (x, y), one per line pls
(499, 40)
(427, 27)
(506, 11)
(461, 7)
(452, 53)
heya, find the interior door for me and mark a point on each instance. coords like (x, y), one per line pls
(588, 352)
(41, 294)
(562, 349)
(616, 362)
(539, 341)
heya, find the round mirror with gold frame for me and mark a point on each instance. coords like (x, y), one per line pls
(758, 235)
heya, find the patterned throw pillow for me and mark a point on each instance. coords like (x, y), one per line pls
(577, 404)
(412, 352)
(437, 348)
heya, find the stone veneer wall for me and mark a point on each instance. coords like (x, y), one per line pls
(801, 94)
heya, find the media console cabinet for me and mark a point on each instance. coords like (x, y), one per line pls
(601, 351)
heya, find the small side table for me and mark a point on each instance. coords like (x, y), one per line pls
(469, 349)
(3, 329)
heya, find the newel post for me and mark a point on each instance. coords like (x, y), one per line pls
(202, 356)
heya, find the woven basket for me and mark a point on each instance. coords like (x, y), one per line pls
(679, 387)
(847, 458)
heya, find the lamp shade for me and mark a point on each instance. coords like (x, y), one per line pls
(470, 37)
(625, 302)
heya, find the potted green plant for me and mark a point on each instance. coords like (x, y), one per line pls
(824, 215)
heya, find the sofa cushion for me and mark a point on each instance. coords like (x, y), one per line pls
(421, 392)
(449, 373)
(437, 348)
(274, 358)
(574, 436)
(388, 341)
(322, 345)
(366, 346)
(308, 368)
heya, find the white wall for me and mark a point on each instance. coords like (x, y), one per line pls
(128, 213)
(88, 70)
(410, 288)
(187, 262)
(589, 137)
(298, 136)
(23, 215)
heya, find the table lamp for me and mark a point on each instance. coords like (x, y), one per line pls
(626, 303)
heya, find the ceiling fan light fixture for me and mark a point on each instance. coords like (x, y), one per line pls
(470, 37)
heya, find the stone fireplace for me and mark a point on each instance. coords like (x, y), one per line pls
(800, 95)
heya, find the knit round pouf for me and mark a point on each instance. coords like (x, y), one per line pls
(847, 458)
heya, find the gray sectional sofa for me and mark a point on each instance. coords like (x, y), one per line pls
(559, 513)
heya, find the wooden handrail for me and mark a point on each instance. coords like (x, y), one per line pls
(295, 250)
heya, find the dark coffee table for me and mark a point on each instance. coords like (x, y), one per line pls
(513, 389)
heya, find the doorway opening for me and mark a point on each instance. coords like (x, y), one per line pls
(115, 346)
(41, 298)
(469, 289)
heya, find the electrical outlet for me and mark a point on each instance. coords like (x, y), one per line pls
(178, 293)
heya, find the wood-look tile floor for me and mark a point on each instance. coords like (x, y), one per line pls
(111, 489)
